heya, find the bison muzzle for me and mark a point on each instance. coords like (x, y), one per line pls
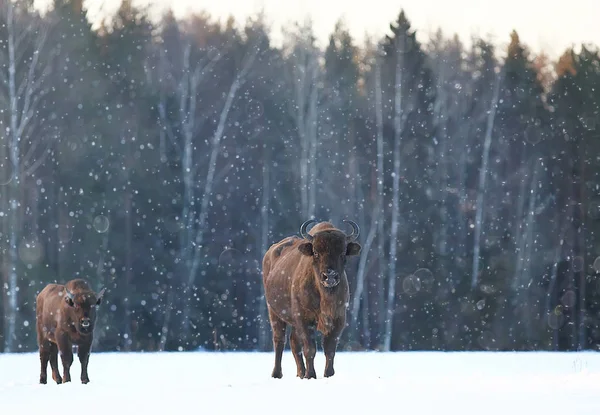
(66, 315)
(306, 288)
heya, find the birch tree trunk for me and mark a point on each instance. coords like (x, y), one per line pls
(25, 88)
(305, 76)
(380, 276)
(522, 276)
(263, 334)
(198, 240)
(487, 143)
(579, 248)
(395, 216)
(5, 178)
(519, 239)
(13, 187)
(193, 214)
(361, 274)
(126, 335)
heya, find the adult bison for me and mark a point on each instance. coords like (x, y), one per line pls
(66, 315)
(306, 288)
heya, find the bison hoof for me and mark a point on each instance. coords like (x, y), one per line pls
(43, 380)
(85, 381)
(300, 374)
(57, 379)
(310, 375)
(329, 372)
(277, 374)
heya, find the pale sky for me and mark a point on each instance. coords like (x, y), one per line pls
(550, 25)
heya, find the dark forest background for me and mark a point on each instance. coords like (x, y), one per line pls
(160, 160)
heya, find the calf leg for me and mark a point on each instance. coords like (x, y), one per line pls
(278, 327)
(54, 363)
(296, 346)
(307, 335)
(83, 352)
(44, 358)
(330, 342)
(66, 355)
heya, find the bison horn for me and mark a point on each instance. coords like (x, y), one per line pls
(355, 230)
(69, 294)
(303, 232)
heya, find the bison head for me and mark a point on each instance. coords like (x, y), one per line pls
(83, 308)
(329, 249)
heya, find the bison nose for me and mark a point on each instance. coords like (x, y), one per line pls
(331, 274)
(85, 322)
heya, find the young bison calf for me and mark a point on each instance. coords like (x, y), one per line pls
(66, 315)
(306, 288)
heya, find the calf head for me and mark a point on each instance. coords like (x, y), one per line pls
(329, 249)
(82, 307)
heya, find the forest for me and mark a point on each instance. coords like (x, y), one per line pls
(161, 159)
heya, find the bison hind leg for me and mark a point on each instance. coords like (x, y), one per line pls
(278, 327)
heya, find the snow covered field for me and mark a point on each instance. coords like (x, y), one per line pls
(365, 383)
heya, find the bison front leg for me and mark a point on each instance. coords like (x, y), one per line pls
(66, 355)
(307, 334)
(296, 346)
(53, 354)
(330, 342)
(44, 359)
(83, 352)
(278, 328)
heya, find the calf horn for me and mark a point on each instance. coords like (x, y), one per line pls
(355, 230)
(303, 232)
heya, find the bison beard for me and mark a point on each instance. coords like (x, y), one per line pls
(66, 315)
(306, 288)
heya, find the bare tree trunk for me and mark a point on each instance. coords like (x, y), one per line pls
(487, 143)
(579, 249)
(441, 116)
(5, 178)
(313, 155)
(208, 186)
(520, 240)
(164, 331)
(380, 276)
(187, 89)
(558, 252)
(263, 333)
(398, 114)
(13, 187)
(304, 110)
(524, 276)
(25, 88)
(361, 275)
(126, 289)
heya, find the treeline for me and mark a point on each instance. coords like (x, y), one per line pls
(162, 159)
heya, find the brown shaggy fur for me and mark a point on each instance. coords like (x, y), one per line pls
(306, 288)
(63, 321)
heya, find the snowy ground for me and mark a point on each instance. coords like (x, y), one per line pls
(365, 383)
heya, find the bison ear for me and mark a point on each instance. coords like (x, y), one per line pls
(352, 249)
(69, 301)
(306, 248)
(100, 296)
